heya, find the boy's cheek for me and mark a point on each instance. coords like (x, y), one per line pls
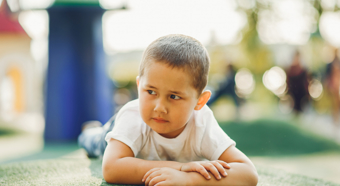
(145, 100)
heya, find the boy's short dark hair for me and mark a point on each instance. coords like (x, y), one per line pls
(180, 51)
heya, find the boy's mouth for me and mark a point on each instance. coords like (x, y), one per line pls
(159, 120)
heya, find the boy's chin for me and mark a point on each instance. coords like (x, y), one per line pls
(165, 135)
(162, 133)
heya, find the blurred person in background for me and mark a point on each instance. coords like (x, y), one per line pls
(297, 84)
(227, 87)
(333, 85)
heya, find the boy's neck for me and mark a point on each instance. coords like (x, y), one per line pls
(176, 133)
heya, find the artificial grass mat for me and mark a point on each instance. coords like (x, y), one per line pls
(84, 171)
(256, 138)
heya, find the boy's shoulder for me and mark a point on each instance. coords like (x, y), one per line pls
(204, 112)
(130, 109)
(203, 117)
(128, 117)
(131, 105)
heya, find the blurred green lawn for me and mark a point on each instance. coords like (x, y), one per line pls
(266, 137)
(7, 132)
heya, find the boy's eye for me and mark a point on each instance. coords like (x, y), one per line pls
(151, 92)
(175, 97)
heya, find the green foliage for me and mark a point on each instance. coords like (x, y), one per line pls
(76, 3)
(7, 132)
(275, 138)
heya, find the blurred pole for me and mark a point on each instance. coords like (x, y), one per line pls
(77, 87)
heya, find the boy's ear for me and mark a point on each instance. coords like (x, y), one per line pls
(203, 99)
(137, 81)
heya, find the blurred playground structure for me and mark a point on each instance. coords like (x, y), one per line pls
(21, 77)
(63, 62)
(47, 72)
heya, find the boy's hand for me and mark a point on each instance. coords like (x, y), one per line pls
(165, 176)
(215, 167)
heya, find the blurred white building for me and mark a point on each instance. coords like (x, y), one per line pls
(20, 93)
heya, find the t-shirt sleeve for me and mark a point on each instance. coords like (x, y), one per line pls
(128, 128)
(215, 141)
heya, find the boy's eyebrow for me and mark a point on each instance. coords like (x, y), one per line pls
(176, 92)
(172, 91)
(150, 86)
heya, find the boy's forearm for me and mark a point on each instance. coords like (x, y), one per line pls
(130, 170)
(238, 174)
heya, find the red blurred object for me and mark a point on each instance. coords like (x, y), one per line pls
(9, 23)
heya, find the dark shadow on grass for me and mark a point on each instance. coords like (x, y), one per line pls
(275, 138)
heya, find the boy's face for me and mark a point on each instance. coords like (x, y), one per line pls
(167, 99)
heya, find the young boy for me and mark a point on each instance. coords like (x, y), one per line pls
(169, 136)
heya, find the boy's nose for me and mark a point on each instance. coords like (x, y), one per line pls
(160, 107)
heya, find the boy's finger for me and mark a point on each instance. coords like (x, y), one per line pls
(220, 168)
(209, 166)
(156, 180)
(224, 164)
(203, 172)
(152, 176)
(148, 173)
(145, 175)
(162, 183)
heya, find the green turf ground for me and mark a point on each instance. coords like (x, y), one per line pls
(257, 138)
(82, 171)
(79, 170)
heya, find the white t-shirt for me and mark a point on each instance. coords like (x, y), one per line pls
(202, 138)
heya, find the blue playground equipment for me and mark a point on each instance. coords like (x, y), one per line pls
(77, 87)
